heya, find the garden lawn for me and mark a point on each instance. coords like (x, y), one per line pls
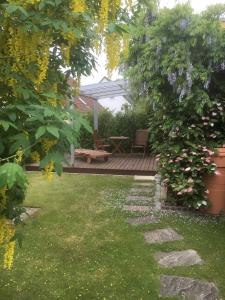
(80, 247)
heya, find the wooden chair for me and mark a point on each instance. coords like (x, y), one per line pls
(100, 143)
(141, 141)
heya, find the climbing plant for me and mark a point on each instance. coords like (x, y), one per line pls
(180, 73)
(43, 43)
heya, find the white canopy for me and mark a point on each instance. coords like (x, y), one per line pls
(106, 89)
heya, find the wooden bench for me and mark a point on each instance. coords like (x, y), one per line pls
(92, 154)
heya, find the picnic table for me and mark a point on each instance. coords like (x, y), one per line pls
(92, 154)
(117, 142)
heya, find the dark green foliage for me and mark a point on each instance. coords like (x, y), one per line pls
(180, 74)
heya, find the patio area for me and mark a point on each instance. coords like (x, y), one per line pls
(121, 165)
(128, 164)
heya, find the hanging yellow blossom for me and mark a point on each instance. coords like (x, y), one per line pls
(3, 197)
(126, 40)
(43, 62)
(78, 6)
(65, 49)
(47, 144)
(98, 45)
(115, 4)
(35, 156)
(2, 230)
(103, 15)
(19, 156)
(10, 247)
(48, 170)
(129, 3)
(113, 47)
(53, 102)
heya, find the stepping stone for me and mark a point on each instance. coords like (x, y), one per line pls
(143, 184)
(162, 235)
(187, 288)
(142, 190)
(178, 258)
(143, 220)
(138, 198)
(30, 212)
(136, 208)
(144, 178)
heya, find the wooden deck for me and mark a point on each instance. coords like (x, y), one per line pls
(117, 165)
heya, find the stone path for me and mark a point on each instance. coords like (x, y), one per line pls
(161, 236)
(137, 208)
(188, 288)
(143, 220)
(139, 200)
(178, 258)
(142, 192)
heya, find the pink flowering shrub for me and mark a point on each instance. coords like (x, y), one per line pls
(181, 74)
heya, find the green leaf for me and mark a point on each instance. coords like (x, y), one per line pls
(7, 124)
(40, 132)
(53, 130)
(12, 116)
(12, 173)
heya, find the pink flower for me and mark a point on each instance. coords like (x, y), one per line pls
(190, 190)
(211, 152)
(179, 193)
(223, 145)
(157, 158)
(170, 161)
(207, 191)
(187, 169)
(217, 173)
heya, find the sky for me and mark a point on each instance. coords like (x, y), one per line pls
(198, 6)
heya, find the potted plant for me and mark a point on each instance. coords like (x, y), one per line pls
(216, 184)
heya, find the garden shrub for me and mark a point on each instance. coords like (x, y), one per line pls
(181, 74)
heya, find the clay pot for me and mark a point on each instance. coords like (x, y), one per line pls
(216, 184)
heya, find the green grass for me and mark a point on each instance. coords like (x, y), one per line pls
(80, 247)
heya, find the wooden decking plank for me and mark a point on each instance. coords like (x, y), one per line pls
(124, 165)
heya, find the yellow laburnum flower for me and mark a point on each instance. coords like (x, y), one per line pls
(48, 170)
(3, 197)
(129, 3)
(43, 66)
(103, 15)
(9, 248)
(126, 40)
(19, 156)
(53, 102)
(65, 49)
(113, 47)
(78, 6)
(35, 156)
(2, 230)
(47, 144)
(115, 4)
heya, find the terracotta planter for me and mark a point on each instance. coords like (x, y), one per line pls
(216, 185)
